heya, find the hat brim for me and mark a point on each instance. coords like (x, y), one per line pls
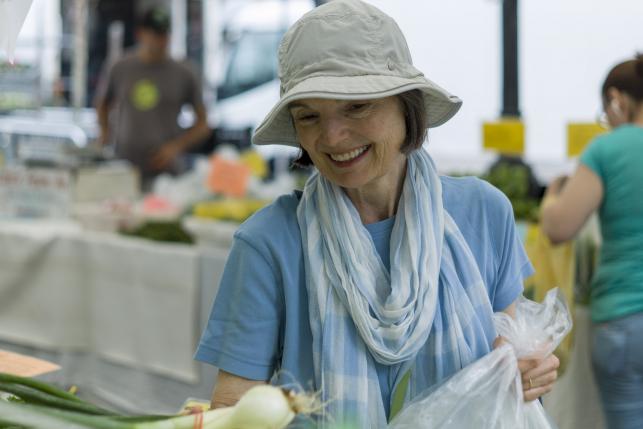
(277, 127)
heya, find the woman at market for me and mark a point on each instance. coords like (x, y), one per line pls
(380, 268)
(608, 180)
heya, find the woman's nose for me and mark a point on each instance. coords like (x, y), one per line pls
(334, 131)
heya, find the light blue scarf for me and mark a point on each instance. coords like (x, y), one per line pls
(359, 313)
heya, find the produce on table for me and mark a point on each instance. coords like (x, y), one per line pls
(514, 180)
(169, 232)
(35, 404)
(237, 210)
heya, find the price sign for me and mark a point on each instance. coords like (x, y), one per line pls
(24, 366)
(579, 134)
(228, 177)
(35, 192)
(505, 136)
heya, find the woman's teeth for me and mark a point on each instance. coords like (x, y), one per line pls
(348, 155)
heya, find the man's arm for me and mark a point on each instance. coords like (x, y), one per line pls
(197, 132)
(102, 113)
(192, 136)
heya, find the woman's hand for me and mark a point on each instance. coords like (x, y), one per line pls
(538, 375)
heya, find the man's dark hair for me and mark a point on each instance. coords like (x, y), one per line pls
(155, 19)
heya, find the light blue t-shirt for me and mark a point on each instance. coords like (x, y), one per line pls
(617, 159)
(259, 322)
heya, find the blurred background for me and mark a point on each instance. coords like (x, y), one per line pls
(89, 251)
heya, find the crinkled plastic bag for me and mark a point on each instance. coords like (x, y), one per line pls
(488, 393)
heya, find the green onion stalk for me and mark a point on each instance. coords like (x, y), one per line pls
(39, 405)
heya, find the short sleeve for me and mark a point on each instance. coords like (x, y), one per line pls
(242, 334)
(591, 157)
(194, 93)
(512, 264)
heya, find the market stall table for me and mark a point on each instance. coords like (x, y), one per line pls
(119, 314)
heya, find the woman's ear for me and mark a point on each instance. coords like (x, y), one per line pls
(618, 102)
(616, 107)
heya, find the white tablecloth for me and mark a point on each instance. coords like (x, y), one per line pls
(121, 301)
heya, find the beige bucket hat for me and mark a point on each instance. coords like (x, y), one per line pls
(345, 50)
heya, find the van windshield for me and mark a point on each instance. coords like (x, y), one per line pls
(253, 62)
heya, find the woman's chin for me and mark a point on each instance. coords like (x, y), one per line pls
(352, 181)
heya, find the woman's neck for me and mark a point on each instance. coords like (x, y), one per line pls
(638, 116)
(379, 199)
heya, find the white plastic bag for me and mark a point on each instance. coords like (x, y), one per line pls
(488, 393)
(12, 16)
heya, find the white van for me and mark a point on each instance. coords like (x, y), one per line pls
(250, 86)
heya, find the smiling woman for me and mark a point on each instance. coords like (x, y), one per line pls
(356, 145)
(381, 276)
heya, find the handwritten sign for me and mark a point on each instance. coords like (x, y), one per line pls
(506, 136)
(24, 366)
(228, 177)
(35, 192)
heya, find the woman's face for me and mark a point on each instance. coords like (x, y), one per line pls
(352, 143)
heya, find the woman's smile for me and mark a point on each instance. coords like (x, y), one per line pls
(348, 159)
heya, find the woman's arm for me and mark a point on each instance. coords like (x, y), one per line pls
(538, 375)
(229, 388)
(567, 206)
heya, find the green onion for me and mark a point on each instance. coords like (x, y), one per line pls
(38, 385)
(261, 407)
(38, 397)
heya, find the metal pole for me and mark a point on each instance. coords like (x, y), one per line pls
(212, 52)
(179, 33)
(510, 105)
(79, 59)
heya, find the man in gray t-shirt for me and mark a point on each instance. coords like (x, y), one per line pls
(140, 98)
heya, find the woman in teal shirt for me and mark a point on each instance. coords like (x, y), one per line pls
(609, 180)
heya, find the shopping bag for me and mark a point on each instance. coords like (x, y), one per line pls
(488, 393)
(553, 265)
(12, 16)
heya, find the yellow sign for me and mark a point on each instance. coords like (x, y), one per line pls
(257, 164)
(579, 135)
(506, 136)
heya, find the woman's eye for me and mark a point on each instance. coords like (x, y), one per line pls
(357, 107)
(306, 117)
(359, 110)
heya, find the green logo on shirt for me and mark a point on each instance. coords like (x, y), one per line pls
(145, 95)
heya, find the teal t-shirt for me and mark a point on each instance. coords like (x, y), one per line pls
(259, 325)
(617, 159)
